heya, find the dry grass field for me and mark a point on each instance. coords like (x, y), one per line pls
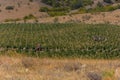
(21, 67)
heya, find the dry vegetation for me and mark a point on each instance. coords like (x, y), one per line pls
(24, 8)
(20, 67)
(90, 18)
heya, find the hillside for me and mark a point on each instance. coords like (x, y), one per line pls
(89, 18)
(75, 4)
(21, 9)
(35, 11)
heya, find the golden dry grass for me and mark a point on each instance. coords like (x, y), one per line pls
(20, 67)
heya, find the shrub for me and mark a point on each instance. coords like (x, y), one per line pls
(118, 6)
(117, 0)
(12, 20)
(108, 1)
(94, 76)
(88, 2)
(56, 13)
(44, 9)
(73, 4)
(59, 9)
(103, 9)
(82, 10)
(31, 0)
(99, 4)
(110, 8)
(9, 8)
(30, 16)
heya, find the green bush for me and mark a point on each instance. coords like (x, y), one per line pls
(99, 9)
(82, 10)
(110, 8)
(108, 1)
(31, 0)
(12, 20)
(44, 9)
(59, 9)
(55, 13)
(73, 4)
(9, 8)
(87, 2)
(30, 16)
(118, 6)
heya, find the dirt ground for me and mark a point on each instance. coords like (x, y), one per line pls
(21, 9)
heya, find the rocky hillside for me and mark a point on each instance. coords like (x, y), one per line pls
(17, 9)
(41, 10)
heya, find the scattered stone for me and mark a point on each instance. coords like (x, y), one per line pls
(72, 67)
(94, 76)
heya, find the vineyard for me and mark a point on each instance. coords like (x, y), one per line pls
(62, 40)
